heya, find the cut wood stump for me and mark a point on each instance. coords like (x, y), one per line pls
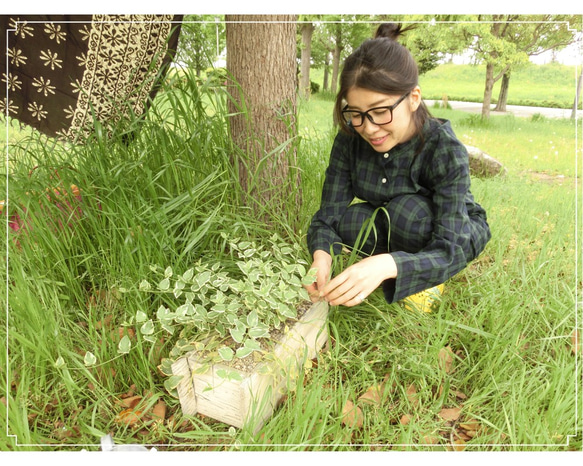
(251, 399)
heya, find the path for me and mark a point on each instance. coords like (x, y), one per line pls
(517, 110)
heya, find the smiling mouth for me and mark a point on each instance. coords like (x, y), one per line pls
(377, 141)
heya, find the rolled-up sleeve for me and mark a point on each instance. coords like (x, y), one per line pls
(337, 194)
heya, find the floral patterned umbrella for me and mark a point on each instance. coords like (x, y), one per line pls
(62, 73)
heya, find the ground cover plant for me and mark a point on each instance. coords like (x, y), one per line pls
(494, 367)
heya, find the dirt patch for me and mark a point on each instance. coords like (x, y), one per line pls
(548, 177)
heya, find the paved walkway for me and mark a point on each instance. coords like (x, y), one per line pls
(517, 110)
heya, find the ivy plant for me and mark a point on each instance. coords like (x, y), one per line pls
(227, 309)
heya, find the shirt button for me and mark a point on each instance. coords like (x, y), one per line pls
(384, 180)
(386, 155)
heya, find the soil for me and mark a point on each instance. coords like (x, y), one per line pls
(250, 363)
(548, 178)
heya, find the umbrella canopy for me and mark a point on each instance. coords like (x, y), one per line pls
(61, 74)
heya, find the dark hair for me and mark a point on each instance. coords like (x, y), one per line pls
(382, 65)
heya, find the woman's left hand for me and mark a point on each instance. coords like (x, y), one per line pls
(354, 284)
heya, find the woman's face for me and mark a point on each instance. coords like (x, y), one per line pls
(383, 137)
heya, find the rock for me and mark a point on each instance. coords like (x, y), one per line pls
(482, 165)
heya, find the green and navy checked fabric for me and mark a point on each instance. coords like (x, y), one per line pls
(438, 172)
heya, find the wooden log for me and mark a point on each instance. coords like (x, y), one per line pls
(251, 400)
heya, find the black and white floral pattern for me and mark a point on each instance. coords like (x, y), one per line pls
(62, 73)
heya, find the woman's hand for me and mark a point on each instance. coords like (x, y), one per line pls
(359, 280)
(322, 263)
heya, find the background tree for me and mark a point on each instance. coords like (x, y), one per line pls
(306, 28)
(536, 35)
(321, 51)
(504, 42)
(432, 39)
(261, 59)
(346, 33)
(202, 38)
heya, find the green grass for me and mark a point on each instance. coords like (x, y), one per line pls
(550, 85)
(166, 198)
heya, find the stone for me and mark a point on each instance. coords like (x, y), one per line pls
(482, 165)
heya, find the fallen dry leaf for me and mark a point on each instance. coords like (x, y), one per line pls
(463, 435)
(129, 417)
(470, 424)
(460, 395)
(373, 395)
(123, 331)
(446, 359)
(458, 445)
(131, 401)
(159, 410)
(352, 415)
(431, 439)
(412, 395)
(450, 414)
(105, 323)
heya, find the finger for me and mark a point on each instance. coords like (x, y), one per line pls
(343, 295)
(313, 292)
(357, 299)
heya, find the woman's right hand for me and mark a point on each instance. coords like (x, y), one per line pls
(323, 264)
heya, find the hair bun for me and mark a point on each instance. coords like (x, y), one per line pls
(391, 31)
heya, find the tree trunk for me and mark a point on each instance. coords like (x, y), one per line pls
(577, 95)
(336, 55)
(261, 58)
(307, 30)
(503, 96)
(488, 90)
(326, 72)
(335, 67)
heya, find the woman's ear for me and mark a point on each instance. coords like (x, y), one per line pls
(415, 98)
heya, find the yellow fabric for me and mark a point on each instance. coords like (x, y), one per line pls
(424, 300)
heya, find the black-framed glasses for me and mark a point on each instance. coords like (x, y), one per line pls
(377, 115)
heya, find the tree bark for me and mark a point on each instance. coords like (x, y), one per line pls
(488, 90)
(261, 58)
(336, 56)
(307, 30)
(326, 72)
(503, 96)
(335, 67)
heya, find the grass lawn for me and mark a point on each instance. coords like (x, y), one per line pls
(551, 85)
(494, 367)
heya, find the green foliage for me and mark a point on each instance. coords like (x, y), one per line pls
(202, 37)
(241, 300)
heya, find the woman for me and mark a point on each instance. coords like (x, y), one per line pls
(399, 167)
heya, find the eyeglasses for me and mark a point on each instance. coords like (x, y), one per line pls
(376, 115)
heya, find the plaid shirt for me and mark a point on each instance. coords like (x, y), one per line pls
(440, 172)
